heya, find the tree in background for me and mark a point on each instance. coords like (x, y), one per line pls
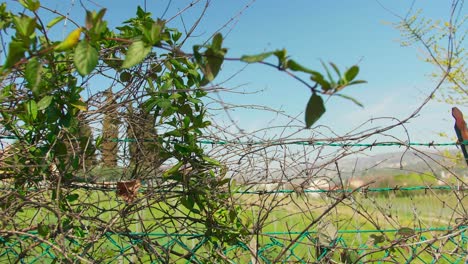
(110, 131)
(444, 45)
(445, 48)
(144, 146)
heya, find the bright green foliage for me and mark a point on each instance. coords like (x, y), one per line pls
(136, 53)
(16, 51)
(70, 41)
(256, 58)
(32, 73)
(32, 5)
(445, 48)
(54, 21)
(44, 102)
(86, 58)
(444, 44)
(211, 59)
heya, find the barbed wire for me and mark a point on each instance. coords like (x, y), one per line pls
(334, 143)
(110, 187)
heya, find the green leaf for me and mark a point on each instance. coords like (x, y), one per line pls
(54, 21)
(60, 150)
(183, 149)
(336, 69)
(406, 232)
(155, 32)
(151, 35)
(351, 99)
(141, 13)
(32, 73)
(89, 20)
(25, 25)
(80, 105)
(43, 230)
(44, 102)
(214, 60)
(31, 109)
(281, 55)
(217, 42)
(294, 66)
(357, 82)
(99, 141)
(186, 122)
(196, 54)
(75, 162)
(314, 110)
(377, 239)
(95, 24)
(173, 170)
(32, 5)
(318, 78)
(256, 58)
(136, 53)
(100, 14)
(351, 73)
(86, 58)
(163, 103)
(15, 53)
(187, 202)
(66, 223)
(176, 36)
(72, 197)
(330, 78)
(125, 76)
(211, 161)
(79, 232)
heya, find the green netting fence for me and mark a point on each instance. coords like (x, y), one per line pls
(133, 247)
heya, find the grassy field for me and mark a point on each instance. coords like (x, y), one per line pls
(351, 228)
(354, 223)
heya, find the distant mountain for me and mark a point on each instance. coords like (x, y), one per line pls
(379, 165)
(392, 163)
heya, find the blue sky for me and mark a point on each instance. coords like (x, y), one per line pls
(344, 32)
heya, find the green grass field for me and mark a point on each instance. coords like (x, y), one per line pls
(277, 220)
